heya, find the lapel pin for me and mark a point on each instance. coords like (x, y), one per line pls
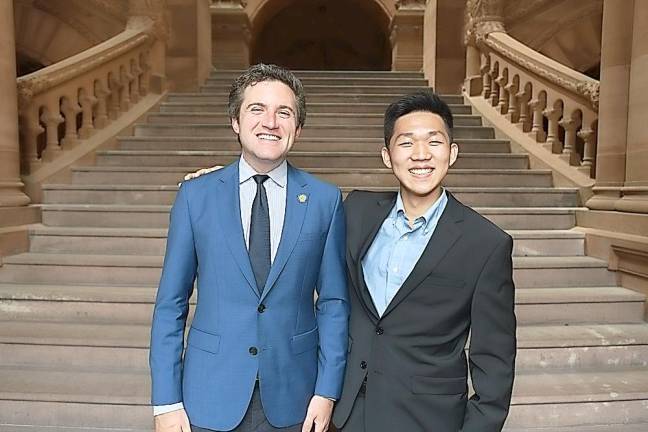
(302, 198)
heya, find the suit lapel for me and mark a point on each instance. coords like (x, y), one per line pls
(446, 234)
(229, 207)
(378, 214)
(293, 221)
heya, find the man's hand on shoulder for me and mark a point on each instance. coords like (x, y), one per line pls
(174, 421)
(318, 415)
(200, 172)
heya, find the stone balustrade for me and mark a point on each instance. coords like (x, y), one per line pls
(556, 106)
(72, 99)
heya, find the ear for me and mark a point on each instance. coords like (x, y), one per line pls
(298, 132)
(454, 153)
(386, 157)
(235, 126)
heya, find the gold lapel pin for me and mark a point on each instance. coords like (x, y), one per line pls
(302, 198)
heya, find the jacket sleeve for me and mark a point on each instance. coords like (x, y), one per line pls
(172, 306)
(332, 308)
(492, 342)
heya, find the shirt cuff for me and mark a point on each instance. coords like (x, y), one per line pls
(163, 409)
(329, 398)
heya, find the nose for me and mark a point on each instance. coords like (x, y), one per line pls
(270, 120)
(421, 151)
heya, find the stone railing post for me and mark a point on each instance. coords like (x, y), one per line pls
(230, 34)
(11, 186)
(406, 35)
(553, 143)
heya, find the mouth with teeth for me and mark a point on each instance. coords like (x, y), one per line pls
(421, 171)
(268, 137)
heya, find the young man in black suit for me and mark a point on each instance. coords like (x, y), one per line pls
(424, 271)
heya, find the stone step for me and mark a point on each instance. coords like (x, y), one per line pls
(579, 398)
(395, 91)
(309, 81)
(151, 241)
(312, 119)
(198, 105)
(609, 427)
(95, 345)
(303, 74)
(155, 216)
(358, 177)
(31, 267)
(37, 428)
(312, 131)
(164, 195)
(466, 146)
(302, 159)
(336, 97)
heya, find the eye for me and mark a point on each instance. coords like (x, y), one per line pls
(436, 143)
(256, 109)
(404, 144)
(285, 114)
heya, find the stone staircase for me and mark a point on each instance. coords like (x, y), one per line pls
(75, 309)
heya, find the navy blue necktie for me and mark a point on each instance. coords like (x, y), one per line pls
(259, 248)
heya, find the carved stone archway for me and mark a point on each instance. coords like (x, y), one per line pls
(322, 34)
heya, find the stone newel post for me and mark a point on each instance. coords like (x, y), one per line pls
(407, 35)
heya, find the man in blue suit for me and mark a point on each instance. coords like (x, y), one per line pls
(260, 237)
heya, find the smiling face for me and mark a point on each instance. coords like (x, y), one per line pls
(419, 154)
(267, 124)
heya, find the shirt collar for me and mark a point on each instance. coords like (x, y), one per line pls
(399, 209)
(279, 175)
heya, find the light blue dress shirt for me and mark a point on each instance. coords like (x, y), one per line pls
(275, 188)
(396, 250)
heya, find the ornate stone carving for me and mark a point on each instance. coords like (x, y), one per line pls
(589, 89)
(483, 17)
(156, 11)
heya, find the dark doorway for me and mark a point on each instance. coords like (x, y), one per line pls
(323, 35)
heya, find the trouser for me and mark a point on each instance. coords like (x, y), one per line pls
(254, 419)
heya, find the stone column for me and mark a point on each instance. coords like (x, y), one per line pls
(616, 50)
(11, 186)
(230, 34)
(481, 17)
(635, 188)
(158, 12)
(407, 35)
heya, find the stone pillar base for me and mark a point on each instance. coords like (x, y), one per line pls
(635, 200)
(14, 232)
(605, 198)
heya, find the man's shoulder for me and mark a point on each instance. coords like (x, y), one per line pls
(476, 222)
(317, 184)
(207, 180)
(358, 198)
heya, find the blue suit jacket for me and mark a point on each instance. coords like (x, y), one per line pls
(301, 342)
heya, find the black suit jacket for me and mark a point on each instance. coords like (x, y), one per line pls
(413, 356)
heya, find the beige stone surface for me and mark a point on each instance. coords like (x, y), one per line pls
(444, 53)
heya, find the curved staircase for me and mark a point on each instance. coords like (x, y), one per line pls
(76, 308)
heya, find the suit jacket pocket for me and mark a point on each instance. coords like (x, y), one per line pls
(438, 385)
(444, 281)
(304, 341)
(203, 340)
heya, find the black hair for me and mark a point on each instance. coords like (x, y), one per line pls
(266, 72)
(421, 101)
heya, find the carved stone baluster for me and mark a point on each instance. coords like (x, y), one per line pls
(136, 71)
(30, 129)
(537, 132)
(52, 118)
(494, 95)
(70, 110)
(125, 79)
(486, 76)
(503, 96)
(101, 116)
(115, 89)
(569, 150)
(87, 102)
(589, 150)
(523, 119)
(553, 143)
(144, 61)
(513, 110)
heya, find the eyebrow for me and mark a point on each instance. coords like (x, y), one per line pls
(429, 134)
(261, 104)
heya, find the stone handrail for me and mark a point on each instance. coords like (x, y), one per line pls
(72, 99)
(555, 105)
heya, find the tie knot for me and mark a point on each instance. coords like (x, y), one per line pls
(260, 178)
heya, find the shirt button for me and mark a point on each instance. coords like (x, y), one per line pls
(379, 331)
(261, 308)
(406, 236)
(363, 364)
(253, 350)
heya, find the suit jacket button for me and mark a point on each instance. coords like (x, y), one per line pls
(261, 308)
(379, 331)
(363, 364)
(253, 350)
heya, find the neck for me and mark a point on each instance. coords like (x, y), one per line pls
(416, 206)
(261, 167)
